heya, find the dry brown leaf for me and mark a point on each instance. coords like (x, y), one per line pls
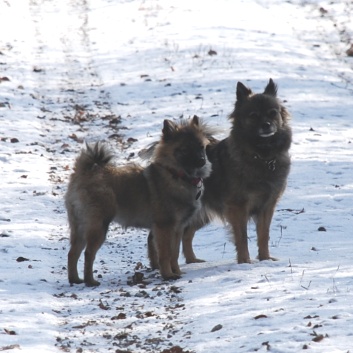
(261, 316)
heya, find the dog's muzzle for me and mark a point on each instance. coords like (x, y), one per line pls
(267, 129)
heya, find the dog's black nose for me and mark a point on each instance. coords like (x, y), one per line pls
(266, 125)
(201, 162)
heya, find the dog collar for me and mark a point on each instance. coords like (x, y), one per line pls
(194, 181)
(181, 175)
(271, 164)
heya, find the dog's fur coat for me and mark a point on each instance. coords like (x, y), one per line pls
(163, 197)
(249, 171)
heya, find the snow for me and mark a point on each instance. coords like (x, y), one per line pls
(113, 70)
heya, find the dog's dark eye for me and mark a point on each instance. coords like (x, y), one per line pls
(190, 149)
(272, 113)
(254, 115)
(197, 148)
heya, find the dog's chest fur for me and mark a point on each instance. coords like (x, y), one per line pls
(175, 199)
(242, 176)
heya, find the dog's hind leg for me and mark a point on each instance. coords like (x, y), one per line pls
(95, 236)
(238, 218)
(152, 252)
(78, 243)
(263, 223)
(188, 251)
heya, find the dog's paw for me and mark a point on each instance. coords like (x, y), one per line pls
(171, 277)
(77, 280)
(264, 258)
(92, 283)
(194, 261)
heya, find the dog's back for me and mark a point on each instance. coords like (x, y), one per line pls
(162, 197)
(97, 187)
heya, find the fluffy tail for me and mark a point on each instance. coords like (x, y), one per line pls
(94, 155)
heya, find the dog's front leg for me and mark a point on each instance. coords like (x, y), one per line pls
(188, 251)
(164, 241)
(238, 218)
(176, 241)
(263, 224)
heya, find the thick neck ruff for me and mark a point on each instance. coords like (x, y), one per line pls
(270, 163)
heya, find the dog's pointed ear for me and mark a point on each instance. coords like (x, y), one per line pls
(271, 88)
(169, 128)
(243, 92)
(195, 120)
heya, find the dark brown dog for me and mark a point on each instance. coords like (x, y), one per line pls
(249, 171)
(163, 197)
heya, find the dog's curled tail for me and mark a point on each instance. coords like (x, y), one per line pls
(94, 155)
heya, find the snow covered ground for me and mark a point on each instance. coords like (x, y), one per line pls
(76, 70)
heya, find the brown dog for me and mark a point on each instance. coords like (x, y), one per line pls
(249, 172)
(163, 197)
